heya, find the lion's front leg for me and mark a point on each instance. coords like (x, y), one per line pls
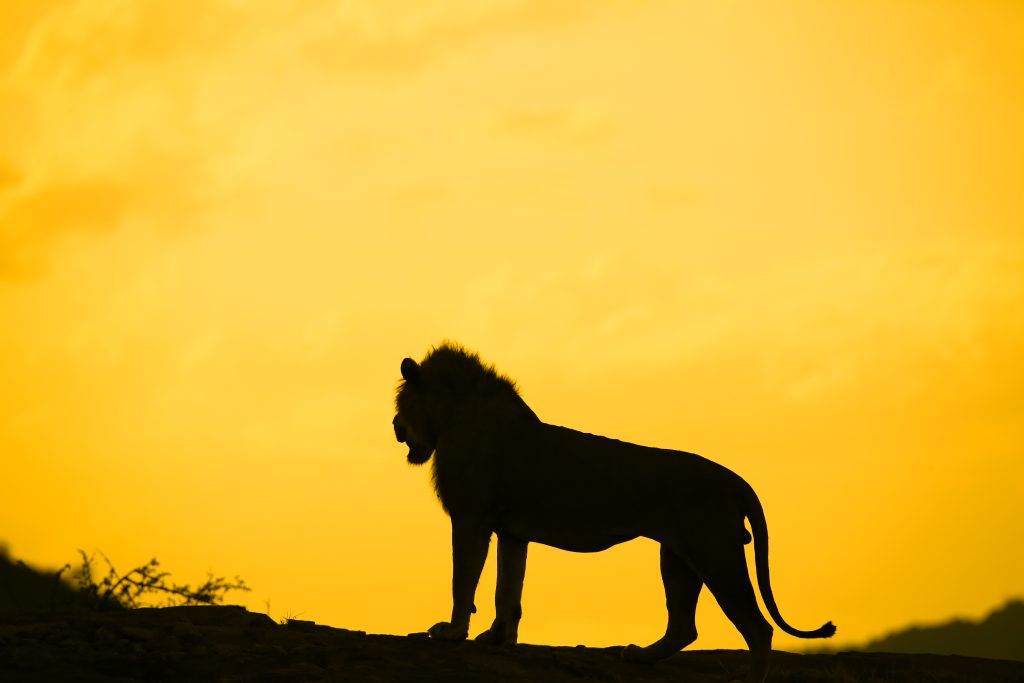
(509, 593)
(469, 551)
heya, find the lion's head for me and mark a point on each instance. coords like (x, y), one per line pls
(412, 424)
(432, 391)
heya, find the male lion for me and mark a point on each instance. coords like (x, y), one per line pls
(499, 469)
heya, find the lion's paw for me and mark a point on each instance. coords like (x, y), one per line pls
(444, 630)
(637, 655)
(497, 634)
(491, 637)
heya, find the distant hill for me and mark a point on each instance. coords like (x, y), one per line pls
(26, 590)
(1000, 635)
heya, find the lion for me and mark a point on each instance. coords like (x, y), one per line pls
(498, 469)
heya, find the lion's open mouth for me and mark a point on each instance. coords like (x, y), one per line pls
(418, 455)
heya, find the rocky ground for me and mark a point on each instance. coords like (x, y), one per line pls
(231, 644)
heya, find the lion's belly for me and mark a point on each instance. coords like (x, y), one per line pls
(566, 537)
(577, 545)
(578, 526)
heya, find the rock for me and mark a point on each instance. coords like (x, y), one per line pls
(138, 633)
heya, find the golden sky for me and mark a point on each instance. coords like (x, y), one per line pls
(788, 236)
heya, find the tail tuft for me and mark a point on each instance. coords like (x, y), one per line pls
(826, 631)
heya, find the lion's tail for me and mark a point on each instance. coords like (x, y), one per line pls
(759, 527)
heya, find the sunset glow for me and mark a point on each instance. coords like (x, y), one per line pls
(786, 236)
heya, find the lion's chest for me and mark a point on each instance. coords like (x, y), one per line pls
(465, 485)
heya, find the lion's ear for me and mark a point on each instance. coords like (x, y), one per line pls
(410, 370)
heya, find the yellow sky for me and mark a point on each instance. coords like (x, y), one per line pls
(787, 236)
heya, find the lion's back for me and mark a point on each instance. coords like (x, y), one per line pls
(589, 466)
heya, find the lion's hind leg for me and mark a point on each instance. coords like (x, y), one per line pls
(724, 570)
(682, 588)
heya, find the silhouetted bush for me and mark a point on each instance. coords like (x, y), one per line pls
(143, 583)
(89, 587)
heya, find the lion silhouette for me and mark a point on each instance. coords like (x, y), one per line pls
(498, 469)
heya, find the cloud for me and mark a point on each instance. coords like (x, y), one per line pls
(53, 209)
(395, 36)
(576, 125)
(9, 177)
(90, 39)
(32, 217)
(674, 195)
(145, 112)
(109, 128)
(68, 206)
(422, 194)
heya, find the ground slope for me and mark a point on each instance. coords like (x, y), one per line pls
(231, 644)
